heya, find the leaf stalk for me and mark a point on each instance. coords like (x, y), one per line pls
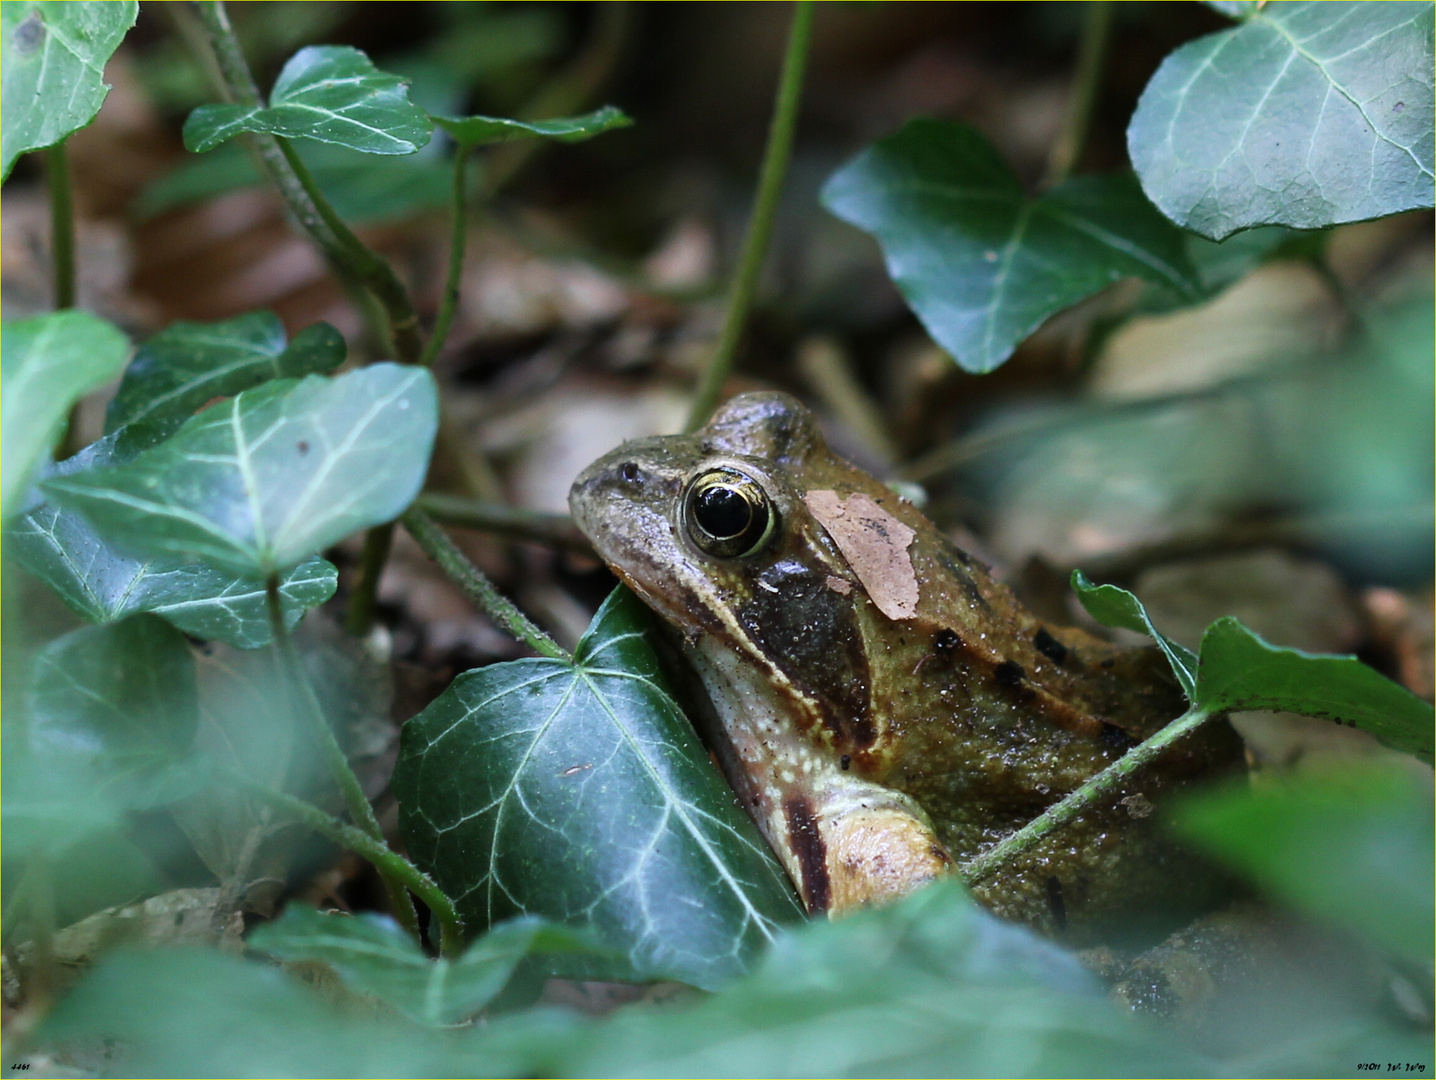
(1091, 51)
(760, 227)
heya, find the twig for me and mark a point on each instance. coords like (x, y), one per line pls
(1091, 50)
(996, 859)
(760, 226)
(388, 862)
(355, 800)
(478, 587)
(556, 530)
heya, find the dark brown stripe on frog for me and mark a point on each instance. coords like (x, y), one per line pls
(811, 853)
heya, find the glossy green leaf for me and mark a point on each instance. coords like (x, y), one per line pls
(258, 483)
(373, 955)
(1307, 114)
(53, 56)
(1112, 606)
(579, 792)
(122, 695)
(980, 263)
(472, 131)
(1241, 671)
(46, 365)
(1237, 671)
(929, 986)
(1353, 847)
(188, 364)
(330, 93)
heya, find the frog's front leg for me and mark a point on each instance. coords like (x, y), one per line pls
(845, 842)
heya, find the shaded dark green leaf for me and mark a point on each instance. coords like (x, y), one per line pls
(373, 955)
(1353, 847)
(46, 365)
(330, 93)
(188, 364)
(53, 56)
(1112, 606)
(1307, 114)
(472, 131)
(579, 792)
(1241, 671)
(980, 263)
(259, 483)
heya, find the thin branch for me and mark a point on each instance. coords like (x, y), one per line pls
(387, 861)
(997, 859)
(355, 801)
(760, 226)
(478, 587)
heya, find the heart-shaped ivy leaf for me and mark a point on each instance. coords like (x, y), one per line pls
(187, 364)
(46, 365)
(373, 955)
(1236, 670)
(330, 93)
(980, 263)
(1305, 115)
(472, 131)
(53, 55)
(578, 791)
(258, 483)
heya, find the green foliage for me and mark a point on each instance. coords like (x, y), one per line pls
(1305, 115)
(579, 792)
(53, 53)
(259, 483)
(372, 955)
(1354, 847)
(1236, 670)
(46, 365)
(473, 131)
(188, 364)
(981, 264)
(329, 93)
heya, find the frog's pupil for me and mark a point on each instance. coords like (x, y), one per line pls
(723, 512)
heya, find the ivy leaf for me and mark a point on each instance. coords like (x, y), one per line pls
(329, 93)
(1354, 847)
(578, 791)
(1241, 671)
(472, 131)
(187, 364)
(1306, 115)
(373, 955)
(1236, 671)
(53, 55)
(1112, 606)
(980, 263)
(258, 483)
(123, 696)
(46, 365)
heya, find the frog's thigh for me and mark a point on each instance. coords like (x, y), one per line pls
(878, 847)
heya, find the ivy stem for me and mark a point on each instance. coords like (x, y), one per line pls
(478, 587)
(449, 302)
(998, 859)
(62, 224)
(352, 791)
(1091, 51)
(760, 226)
(555, 530)
(364, 600)
(388, 862)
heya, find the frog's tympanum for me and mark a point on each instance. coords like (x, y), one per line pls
(883, 708)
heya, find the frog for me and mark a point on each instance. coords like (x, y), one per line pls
(883, 707)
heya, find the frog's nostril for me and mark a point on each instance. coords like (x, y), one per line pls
(629, 471)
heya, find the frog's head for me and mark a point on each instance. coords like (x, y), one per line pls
(714, 531)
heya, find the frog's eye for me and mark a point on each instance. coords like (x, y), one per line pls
(728, 514)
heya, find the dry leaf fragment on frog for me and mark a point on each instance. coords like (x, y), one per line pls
(875, 544)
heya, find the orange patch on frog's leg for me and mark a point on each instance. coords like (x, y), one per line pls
(875, 545)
